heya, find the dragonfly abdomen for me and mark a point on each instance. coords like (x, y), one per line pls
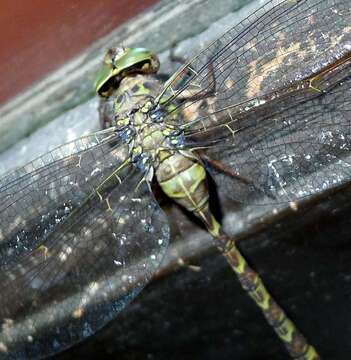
(182, 177)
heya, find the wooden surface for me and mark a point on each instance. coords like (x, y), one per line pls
(38, 35)
(73, 83)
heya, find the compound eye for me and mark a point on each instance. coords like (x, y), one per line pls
(113, 55)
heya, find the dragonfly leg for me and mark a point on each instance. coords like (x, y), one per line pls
(193, 93)
(227, 170)
(173, 59)
(176, 58)
(224, 168)
(106, 112)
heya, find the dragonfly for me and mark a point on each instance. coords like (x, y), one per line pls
(81, 229)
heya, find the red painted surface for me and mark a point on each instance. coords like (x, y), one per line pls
(38, 36)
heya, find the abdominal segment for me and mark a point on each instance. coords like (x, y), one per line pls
(182, 177)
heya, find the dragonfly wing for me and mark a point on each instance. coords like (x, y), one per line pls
(281, 43)
(39, 195)
(65, 151)
(264, 96)
(88, 264)
(294, 153)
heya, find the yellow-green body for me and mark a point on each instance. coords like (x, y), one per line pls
(180, 174)
(154, 148)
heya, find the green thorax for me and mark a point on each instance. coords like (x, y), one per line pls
(154, 146)
(134, 91)
(132, 102)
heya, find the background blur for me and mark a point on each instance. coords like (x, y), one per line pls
(39, 35)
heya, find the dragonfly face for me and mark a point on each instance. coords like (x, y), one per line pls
(119, 62)
(81, 233)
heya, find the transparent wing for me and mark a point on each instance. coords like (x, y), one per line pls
(300, 151)
(89, 237)
(270, 54)
(271, 99)
(46, 162)
(40, 194)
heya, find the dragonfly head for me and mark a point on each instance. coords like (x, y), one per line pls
(122, 62)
